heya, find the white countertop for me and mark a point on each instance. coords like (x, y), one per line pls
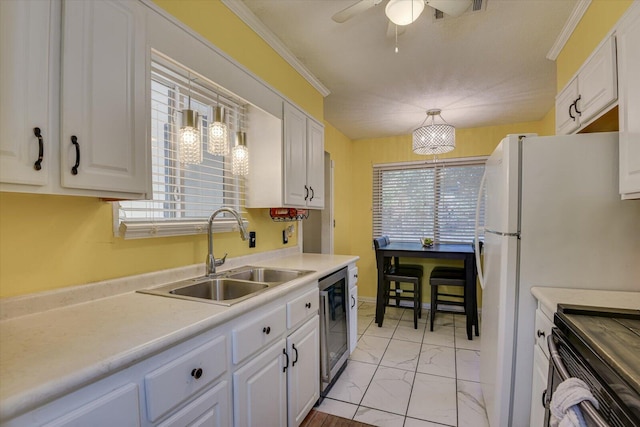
(549, 298)
(48, 354)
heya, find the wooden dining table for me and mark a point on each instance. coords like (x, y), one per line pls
(463, 251)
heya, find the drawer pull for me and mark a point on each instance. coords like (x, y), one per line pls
(266, 330)
(37, 165)
(74, 141)
(308, 305)
(296, 359)
(286, 365)
(197, 373)
(540, 333)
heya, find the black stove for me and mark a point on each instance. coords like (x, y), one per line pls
(602, 347)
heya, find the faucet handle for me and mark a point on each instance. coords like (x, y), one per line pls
(219, 261)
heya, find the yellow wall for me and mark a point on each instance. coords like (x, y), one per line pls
(596, 23)
(48, 242)
(367, 152)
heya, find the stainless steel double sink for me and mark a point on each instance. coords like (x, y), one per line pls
(229, 287)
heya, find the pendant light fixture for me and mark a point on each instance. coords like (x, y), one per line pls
(240, 155)
(218, 134)
(190, 144)
(404, 12)
(434, 138)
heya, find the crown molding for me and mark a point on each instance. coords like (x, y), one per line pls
(249, 18)
(571, 24)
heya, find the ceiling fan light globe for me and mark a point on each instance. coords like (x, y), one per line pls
(404, 12)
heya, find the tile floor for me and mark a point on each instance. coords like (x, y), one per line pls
(402, 377)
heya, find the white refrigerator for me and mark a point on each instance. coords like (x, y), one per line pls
(553, 218)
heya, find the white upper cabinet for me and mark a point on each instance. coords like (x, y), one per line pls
(103, 94)
(77, 71)
(590, 92)
(25, 32)
(303, 160)
(628, 35)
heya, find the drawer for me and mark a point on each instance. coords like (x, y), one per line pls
(252, 335)
(543, 330)
(353, 276)
(302, 308)
(170, 385)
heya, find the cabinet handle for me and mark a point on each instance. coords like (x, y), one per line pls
(306, 196)
(544, 399)
(354, 301)
(266, 330)
(308, 305)
(571, 115)
(575, 105)
(313, 193)
(74, 141)
(284, 351)
(196, 373)
(37, 165)
(540, 333)
(296, 350)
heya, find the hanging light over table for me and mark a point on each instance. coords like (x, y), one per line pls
(218, 134)
(190, 144)
(434, 138)
(240, 155)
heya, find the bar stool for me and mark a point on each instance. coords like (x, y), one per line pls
(405, 274)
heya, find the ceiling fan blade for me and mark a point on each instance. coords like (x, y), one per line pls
(450, 7)
(391, 29)
(353, 10)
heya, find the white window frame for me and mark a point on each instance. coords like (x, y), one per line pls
(432, 196)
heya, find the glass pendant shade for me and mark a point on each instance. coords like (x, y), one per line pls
(404, 12)
(434, 138)
(218, 135)
(240, 156)
(190, 145)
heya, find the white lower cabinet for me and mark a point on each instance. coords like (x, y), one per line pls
(543, 326)
(352, 313)
(210, 410)
(303, 374)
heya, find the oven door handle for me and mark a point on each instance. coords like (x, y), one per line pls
(324, 350)
(585, 406)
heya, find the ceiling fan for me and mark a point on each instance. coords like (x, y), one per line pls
(404, 12)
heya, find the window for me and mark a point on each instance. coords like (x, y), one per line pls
(437, 200)
(184, 195)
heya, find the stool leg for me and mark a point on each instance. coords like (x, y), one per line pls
(397, 294)
(434, 304)
(420, 299)
(416, 305)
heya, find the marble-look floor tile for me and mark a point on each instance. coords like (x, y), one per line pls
(433, 399)
(441, 335)
(367, 310)
(468, 365)
(437, 360)
(337, 408)
(444, 319)
(406, 331)
(378, 418)
(389, 391)
(471, 411)
(407, 316)
(364, 323)
(393, 313)
(370, 349)
(353, 382)
(385, 331)
(401, 355)
(463, 342)
(412, 422)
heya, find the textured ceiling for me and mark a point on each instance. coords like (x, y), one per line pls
(481, 69)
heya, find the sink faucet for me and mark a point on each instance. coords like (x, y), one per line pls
(212, 262)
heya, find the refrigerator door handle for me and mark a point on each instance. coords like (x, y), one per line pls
(476, 229)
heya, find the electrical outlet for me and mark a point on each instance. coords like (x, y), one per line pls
(252, 239)
(285, 237)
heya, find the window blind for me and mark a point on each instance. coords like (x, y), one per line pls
(185, 195)
(418, 199)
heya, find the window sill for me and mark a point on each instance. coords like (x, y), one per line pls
(143, 230)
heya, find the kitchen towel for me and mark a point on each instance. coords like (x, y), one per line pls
(565, 411)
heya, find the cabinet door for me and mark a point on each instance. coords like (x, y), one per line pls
(104, 80)
(597, 82)
(260, 390)
(303, 381)
(353, 318)
(567, 119)
(315, 164)
(212, 409)
(628, 36)
(25, 42)
(296, 191)
(539, 387)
